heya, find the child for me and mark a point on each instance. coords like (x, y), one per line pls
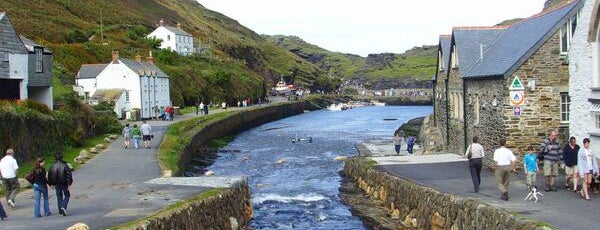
(530, 165)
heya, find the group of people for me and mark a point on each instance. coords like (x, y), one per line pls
(578, 163)
(144, 133)
(399, 139)
(202, 108)
(166, 114)
(58, 176)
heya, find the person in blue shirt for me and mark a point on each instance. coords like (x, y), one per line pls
(530, 165)
(410, 142)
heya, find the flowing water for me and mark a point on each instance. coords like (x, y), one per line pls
(295, 185)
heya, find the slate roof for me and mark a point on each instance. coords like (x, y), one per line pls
(89, 71)
(520, 41)
(445, 41)
(143, 68)
(108, 95)
(8, 36)
(471, 42)
(30, 45)
(177, 30)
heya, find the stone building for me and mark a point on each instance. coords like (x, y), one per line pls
(584, 76)
(506, 82)
(439, 86)
(519, 88)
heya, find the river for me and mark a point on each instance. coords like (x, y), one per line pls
(295, 185)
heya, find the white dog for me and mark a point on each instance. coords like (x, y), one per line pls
(533, 194)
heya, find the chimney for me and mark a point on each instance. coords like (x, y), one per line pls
(115, 56)
(178, 25)
(138, 57)
(150, 59)
(161, 22)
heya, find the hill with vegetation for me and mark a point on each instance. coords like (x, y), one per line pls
(235, 62)
(412, 69)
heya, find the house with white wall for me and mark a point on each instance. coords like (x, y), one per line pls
(25, 66)
(143, 85)
(584, 76)
(173, 38)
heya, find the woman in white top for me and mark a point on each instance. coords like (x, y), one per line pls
(588, 165)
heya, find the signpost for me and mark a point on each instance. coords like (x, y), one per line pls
(517, 95)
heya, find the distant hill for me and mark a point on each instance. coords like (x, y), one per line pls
(236, 62)
(414, 68)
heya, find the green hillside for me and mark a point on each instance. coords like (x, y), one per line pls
(414, 68)
(236, 62)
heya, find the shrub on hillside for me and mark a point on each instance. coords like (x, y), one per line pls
(107, 123)
(37, 106)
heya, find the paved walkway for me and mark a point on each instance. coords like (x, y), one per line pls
(114, 187)
(449, 173)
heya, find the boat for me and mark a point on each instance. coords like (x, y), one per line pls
(281, 86)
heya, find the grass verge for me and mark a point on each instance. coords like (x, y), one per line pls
(179, 205)
(179, 135)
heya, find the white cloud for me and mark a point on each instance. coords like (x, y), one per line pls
(374, 26)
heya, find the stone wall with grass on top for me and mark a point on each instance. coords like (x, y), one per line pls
(220, 208)
(421, 207)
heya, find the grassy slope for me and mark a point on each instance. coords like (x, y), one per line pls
(418, 63)
(237, 64)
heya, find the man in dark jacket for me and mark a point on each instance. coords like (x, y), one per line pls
(60, 177)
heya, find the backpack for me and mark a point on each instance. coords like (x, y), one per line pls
(29, 177)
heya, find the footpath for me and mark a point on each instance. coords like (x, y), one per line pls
(117, 186)
(449, 173)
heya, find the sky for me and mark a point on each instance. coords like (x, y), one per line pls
(374, 26)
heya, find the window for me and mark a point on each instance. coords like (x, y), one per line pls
(454, 57)
(565, 102)
(440, 61)
(566, 33)
(597, 121)
(39, 61)
(126, 96)
(6, 55)
(168, 37)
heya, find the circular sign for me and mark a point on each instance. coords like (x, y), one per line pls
(517, 97)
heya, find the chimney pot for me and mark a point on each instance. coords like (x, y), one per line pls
(115, 56)
(161, 22)
(179, 25)
(138, 57)
(150, 59)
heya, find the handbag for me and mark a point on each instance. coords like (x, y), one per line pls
(29, 177)
(470, 153)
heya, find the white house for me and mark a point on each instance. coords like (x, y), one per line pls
(174, 38)
(143, 85)
(584, 76)
(25, 66)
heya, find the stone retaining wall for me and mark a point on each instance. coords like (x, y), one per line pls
(421, 207)
(229, 208)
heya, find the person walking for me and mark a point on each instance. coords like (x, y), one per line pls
(398, 142)
(505, 163)
(137, 135)
(205, 109)
(201, 107)
(475, 154)
(570, 153)
(552, 156)
(8, 171)
(530, 166)
(146, 134)
(588, 167)
(126, 135)
(2, 212)
(60, 177)
(410, 142)
(40, 188)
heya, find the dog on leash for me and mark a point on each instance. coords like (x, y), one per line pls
(533, 194)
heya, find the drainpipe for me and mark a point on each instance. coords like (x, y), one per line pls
(434, 84)
(464, 114)
(447, 114)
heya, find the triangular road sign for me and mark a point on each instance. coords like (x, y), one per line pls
(516, 84)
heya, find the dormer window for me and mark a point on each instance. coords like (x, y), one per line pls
(454, 57)
(440, 61)
(566, 33)
(39, 60)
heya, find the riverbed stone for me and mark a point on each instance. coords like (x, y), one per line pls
(107, 140)
(84, 154)
(100, 146)
(93, 150)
